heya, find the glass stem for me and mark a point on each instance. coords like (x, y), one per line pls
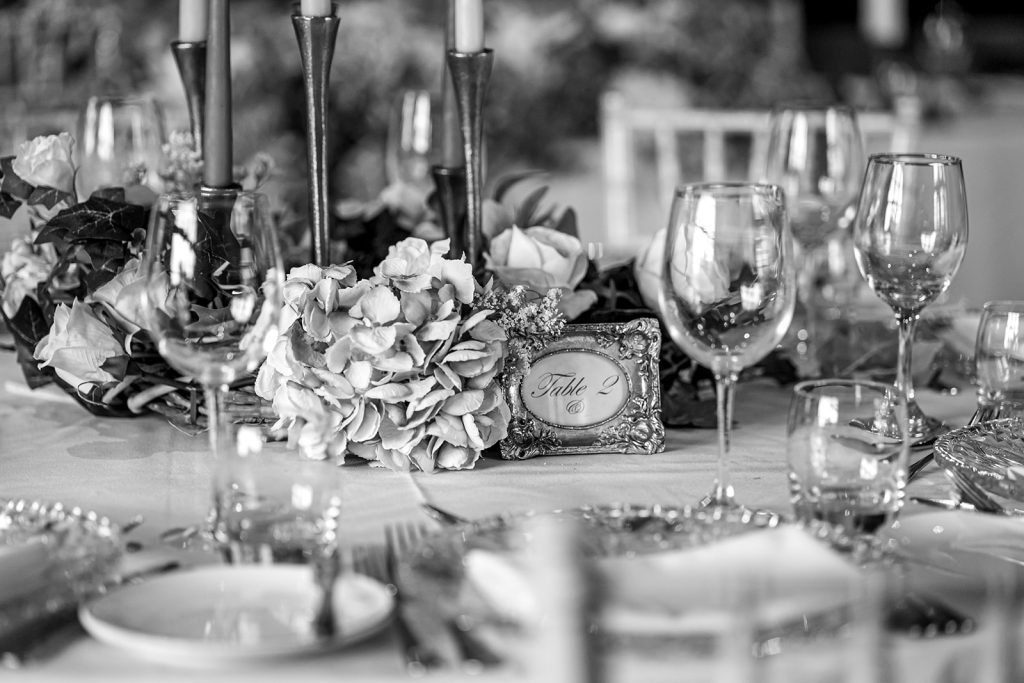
(215, 417)
(904, 375)
(723, 495)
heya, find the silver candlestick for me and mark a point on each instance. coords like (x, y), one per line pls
(450, 186)
(190, 56)
(471, 72)
(316, 36)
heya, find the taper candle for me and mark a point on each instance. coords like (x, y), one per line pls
(192, 20)
(217, 144)
(469, 25)
(451, 136)
(316, 8)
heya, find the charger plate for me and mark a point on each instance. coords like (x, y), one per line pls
(990, 454)
(52, 556)
(230, 615)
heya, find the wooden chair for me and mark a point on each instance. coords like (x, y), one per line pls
(648, 151)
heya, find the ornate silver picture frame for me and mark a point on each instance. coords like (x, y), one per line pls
(595, 389)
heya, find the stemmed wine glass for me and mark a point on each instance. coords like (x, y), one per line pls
(410, 139)
(728, 288)
(214, 296)
(816, 154)
(120, 144)
(909, 236)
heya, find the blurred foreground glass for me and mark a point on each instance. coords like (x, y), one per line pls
(727, 288)
(274, 505)
(910, 235)
(120, 143)
(847, 456)
(999, 360)
(214, 293)
(816, 155)
(410, 140)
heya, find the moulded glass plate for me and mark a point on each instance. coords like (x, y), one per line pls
(51, 557)
(990, 454)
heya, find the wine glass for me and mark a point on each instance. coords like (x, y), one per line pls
(816, 154)
(727, 288)
(909, 236)
(410, 139)
(214, 296)
(120, 144)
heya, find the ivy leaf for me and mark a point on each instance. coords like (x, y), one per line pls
(567, 223)
(525, 213)
(48, 196)
(97, 218)
(29, 324)
(12, 183)
(8, 205)
(507, 182)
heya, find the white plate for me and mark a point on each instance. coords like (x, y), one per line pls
(229, 614)
(962, 543)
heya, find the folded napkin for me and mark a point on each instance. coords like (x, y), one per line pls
(773, 576)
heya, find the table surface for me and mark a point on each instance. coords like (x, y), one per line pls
(51, 449)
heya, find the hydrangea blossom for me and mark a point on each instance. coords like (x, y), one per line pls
(399, 369)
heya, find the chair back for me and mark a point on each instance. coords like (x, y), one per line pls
(649, 151)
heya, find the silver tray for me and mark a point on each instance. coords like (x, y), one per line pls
(987, 453)
(78, 551)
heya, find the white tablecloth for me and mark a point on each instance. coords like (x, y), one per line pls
(52, 449)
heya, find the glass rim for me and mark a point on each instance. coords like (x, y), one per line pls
(734, 185)
(915, 158)
(1003, 305)
(807, 386)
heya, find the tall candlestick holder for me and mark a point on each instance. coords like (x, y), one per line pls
(450, 186)
(471, 72)
(316, 36)
(190, 56)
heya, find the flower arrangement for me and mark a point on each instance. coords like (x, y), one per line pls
(399, 369)
(70, 288)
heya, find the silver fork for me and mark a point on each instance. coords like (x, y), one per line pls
(379, 562)
(474, 655)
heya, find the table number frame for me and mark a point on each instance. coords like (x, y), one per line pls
(594, 389)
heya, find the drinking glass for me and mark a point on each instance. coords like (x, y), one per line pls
(727, 288)
(999, 360)
(120, 143)
(816, 155)
(848, 455)
(909, 236)
(214, 297)
(410, 139)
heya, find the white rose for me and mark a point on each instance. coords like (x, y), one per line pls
(123, 296)
(46, 161)
(542, 259)
(78, 346)
(705, 286)
(22, 269)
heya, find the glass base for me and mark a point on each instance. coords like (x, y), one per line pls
(922, 427)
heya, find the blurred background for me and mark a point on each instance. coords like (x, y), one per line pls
(963, 66)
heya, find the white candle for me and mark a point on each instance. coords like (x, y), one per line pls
(192, 20)
(469, 25)
(316, 8)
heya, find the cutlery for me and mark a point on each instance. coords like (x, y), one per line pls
(25, 645)
(402, 539)
(379, 563)
(443, 516)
